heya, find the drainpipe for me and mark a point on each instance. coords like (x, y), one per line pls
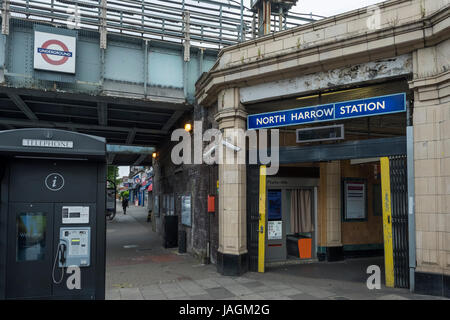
(411, 198)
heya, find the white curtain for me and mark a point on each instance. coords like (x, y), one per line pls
(301, 213)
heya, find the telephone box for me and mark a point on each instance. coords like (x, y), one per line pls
(52, 215)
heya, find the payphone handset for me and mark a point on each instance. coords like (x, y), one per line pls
(74, 249)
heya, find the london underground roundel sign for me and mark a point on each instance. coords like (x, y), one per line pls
(47, 53)
(54, 52)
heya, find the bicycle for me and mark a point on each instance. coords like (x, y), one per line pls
(110, 214)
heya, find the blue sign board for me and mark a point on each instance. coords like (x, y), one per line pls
(335, 111)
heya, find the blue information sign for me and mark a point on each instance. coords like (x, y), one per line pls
(336, 111)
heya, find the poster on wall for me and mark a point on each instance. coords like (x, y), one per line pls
(186, 211)
(274, 204)
(355, 200)
(274, 230)
(54, 52)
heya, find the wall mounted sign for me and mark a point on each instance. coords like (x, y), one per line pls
(74, 215)
(274, 230)
(47, 143)
(330, 112)
(186, 211)
(355, 207)
(54, 52)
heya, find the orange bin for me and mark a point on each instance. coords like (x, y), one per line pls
(304, 248)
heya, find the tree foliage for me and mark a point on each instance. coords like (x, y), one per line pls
(113, 174)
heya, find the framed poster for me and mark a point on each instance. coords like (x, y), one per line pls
(274, 205)
(186, 211)
(275, 230)
(355, 200)
(156, 206)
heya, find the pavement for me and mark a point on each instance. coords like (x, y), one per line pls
(139, 268)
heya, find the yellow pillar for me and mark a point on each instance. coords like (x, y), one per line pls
(387, 221)
(262, 219)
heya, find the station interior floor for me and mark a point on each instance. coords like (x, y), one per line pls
(138, 267)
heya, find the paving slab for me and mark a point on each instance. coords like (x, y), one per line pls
(238, 290)
(154, 296)
(131, 294)
(175, 294)
(220, 293)
(191, 288)
(253, 284)
(207, 283)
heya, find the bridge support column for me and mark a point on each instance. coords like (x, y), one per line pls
(429, 218)
(330, 242)
(232, 257)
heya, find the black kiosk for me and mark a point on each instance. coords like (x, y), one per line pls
(52, 215)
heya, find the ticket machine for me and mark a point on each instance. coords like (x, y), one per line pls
(52, 215)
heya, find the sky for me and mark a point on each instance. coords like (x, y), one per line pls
(124, 171)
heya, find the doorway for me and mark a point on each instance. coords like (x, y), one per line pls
(291, 222)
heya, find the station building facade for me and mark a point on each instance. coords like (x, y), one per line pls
(380, 185)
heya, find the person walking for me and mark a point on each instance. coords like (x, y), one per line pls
(124, 204)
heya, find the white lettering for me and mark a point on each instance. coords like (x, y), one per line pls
(381, 105)
(329, 112)
(47, 143)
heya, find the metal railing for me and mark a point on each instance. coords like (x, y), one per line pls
(211, 23)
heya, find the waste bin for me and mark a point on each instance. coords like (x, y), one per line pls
(170, 236)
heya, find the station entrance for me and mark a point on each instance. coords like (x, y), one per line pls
(335, 198)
